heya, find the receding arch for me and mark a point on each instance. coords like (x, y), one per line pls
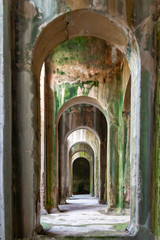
(82, 116)
(81, 154)
(96, 155)
(79, 100)
(60, 30)
(83, 22)
(81, 176)
(73, 149)
(83, 127)
(86, 149)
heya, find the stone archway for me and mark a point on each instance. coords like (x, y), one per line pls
(88, 144)
(83, 149)
(76, 117)
(111, 30)
(121, 37)
(90, 159)
(81, 176)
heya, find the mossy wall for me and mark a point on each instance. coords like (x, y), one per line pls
(156, 177)
(88, 66)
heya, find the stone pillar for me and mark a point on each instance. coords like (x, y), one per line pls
(51, 165)
(146, 106)
(96, 174)
(62, 165)
(25, 128)
(156, 166)
(26, 155)
(103, 172)
(113, 171)
(62, 157)
(5, 124)
(126, 159)
(92, 175)
(43, 143)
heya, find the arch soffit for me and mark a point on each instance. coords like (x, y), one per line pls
(79, 100)
(84, 139)
(83, 155)
(82, 22)
(76, 159)
(89, 146)
(84, 127)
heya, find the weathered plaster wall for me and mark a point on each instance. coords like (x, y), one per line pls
(88, 66)
(148, 77)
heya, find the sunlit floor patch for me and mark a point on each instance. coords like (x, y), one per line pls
(84, 216)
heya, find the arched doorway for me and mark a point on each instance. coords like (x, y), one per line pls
(121, 39)
(76, 117)
(81, 176)
(84, 143)
(63, 171)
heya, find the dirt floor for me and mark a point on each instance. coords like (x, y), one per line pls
(82, 215)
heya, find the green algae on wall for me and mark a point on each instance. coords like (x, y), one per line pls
(87, 66)
(85, 59)
(63, 93)
(70, 51)
(156, 190)
(126, 158)
(66, 91)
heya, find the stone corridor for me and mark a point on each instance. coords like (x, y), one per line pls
(79, 114)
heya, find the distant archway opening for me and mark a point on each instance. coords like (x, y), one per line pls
(77, 117)
(81, 176)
